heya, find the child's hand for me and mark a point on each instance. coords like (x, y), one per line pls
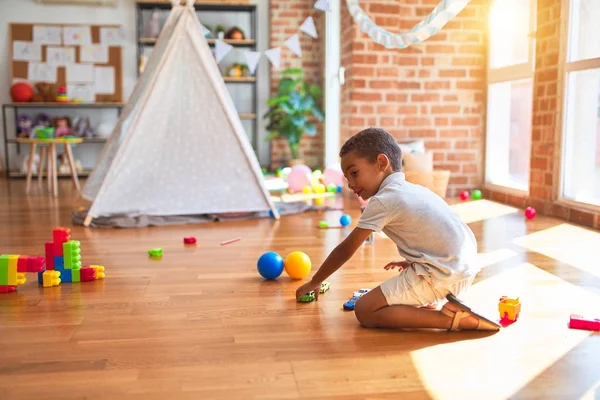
(400, 264)
(308, 287)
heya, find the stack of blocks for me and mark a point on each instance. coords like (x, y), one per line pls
(63, 261)
(13, 269)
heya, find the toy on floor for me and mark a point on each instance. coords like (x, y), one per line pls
(13, 269)
(464, 195)
(271, 213)
(350, 304)
(579, 322)
(345, 220)
(509, 308)
(155, 253)
(270, 265)
(237, 239)
(530, 212)
(63, 262)
(297, 265)
(189, 240)
(476, 195)
(310, 296)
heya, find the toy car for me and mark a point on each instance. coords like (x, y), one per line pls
(361, 292)
(307, 298)
(509, 309)
(324, 287)
(349, 305)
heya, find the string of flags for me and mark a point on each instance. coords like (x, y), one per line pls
(274, 54)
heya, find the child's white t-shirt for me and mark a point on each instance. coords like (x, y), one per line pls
(424, 227)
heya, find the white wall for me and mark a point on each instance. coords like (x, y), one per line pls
(29, 11)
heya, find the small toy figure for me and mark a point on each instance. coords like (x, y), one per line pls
(62, 126)
(509, 308)
(61, 96)
(235, 33)
(24, 127)
(42, 121)
(82, 127)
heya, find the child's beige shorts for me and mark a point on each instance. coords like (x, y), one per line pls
(411, 289)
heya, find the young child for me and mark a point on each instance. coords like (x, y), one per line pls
(439, 248)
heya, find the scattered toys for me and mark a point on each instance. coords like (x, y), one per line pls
(530, 213)
(476, 195)
(350, 304)
(237, 239)
(297, 265)
(323, 224)
(310, 296)
(345, 220)
(579, 322)
(155, 253)
(464, 195)
(509, 309)
(189, 240)
(270, 265)
(13, 269)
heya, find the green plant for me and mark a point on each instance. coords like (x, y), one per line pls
(220, 28)
(291, 110)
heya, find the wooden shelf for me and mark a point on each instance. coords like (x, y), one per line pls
(243, 79)
(210, 5)
(247, 116)
(85, 140)
(211, 42)
(82, 174)
(65, 105)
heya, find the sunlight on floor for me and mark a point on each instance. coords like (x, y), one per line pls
(570, 244)
(480, 210)
(521, 351)
(494, 257)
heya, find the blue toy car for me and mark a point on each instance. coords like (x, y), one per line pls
(349, 305)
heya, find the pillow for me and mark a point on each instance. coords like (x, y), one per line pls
(420, 178)
(418, 162)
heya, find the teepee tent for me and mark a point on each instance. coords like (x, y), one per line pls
(179, 147)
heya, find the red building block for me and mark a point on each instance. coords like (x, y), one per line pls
(579, 322)
(22, 264)
(87, 274)
(59, 236)
(35, 264)
(3, 289)
(50, 256)
(12, 288)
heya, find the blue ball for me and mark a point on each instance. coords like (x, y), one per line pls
(339, 189)
(345, 220)
(270, 265)
(271, 213)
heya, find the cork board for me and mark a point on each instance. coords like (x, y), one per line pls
(19, 69)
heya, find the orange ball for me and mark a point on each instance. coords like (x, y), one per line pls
(297, 265)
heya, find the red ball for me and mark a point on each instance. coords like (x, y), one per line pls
(530, 212)
(464, 195)
(21, 92)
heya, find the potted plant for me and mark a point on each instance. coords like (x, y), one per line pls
(220, 30)
(293, 110)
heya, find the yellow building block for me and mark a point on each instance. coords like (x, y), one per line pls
(51, 278)
(12, 270)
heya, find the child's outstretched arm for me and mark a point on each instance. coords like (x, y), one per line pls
(335, 260)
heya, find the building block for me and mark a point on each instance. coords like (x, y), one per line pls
(49, 256)
(66, 276)
(92, 273)
(35, 264)
(59, 263)
(13, 260)
(21, 278)
(3, 289)
(72, 254)
(59, 236)
(4, 270)
(50, 278)
(76, 275)
(99, 271)
(588, 324)
(509, 309)
(22, 264)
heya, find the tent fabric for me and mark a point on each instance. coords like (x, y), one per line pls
(179, 147)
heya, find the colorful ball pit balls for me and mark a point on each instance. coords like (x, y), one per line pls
(464, 195)
(297, 265)
(530, 213)
(270, 265)
(345, 220)
(476, 195)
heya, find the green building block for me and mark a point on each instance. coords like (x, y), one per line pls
(4, 270)
(158, 252)
(72, 254)
(76, 275)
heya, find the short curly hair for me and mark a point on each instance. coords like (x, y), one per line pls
(371, 142)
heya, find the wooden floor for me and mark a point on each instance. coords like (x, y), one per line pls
(201, 323)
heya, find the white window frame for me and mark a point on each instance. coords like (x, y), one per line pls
(564, 68)
(510, 73)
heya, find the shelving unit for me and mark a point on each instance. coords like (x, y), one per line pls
(144, 8)
(10, 137)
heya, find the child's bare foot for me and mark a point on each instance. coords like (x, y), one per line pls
(467, 323)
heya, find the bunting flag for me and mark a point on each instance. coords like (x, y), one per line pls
(293, 43)
(274, 55)
(431, 25)
(252, 59)
(322, 5)
(308, 27)
(221, 50)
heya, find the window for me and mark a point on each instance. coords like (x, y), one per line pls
(581, 118)
(510, 93)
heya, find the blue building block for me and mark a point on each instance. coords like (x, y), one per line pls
(66, 276)
(59, 264)
(41, 277)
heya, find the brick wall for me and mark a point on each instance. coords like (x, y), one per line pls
(434, 91)
(543, 180)
(286, 17)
